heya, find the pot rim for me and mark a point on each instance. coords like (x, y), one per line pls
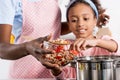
(98, 58)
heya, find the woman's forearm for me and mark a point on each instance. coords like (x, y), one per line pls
(64, 28)
(12, 51)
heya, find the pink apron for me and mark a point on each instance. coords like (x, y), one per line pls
(40, 18)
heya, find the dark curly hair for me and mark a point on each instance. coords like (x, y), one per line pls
(103, 18)
(98, 6)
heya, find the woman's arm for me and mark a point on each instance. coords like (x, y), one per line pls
(7, 50)
(65, 28)
(12, 51)
(5, 33)
(16, 51)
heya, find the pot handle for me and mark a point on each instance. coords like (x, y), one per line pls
(115, 63)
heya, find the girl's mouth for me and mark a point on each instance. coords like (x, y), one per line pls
(81, 31)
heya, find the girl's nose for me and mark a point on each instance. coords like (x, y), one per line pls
(80, 23)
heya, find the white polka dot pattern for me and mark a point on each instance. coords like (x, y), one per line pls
(39, 19)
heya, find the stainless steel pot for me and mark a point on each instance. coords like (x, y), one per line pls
(96, 67)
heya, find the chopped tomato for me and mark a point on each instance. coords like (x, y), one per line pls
(58, 57)
(62, 63)
(59, 48)
(74, 52)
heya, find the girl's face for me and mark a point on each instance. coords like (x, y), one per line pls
(81, 20)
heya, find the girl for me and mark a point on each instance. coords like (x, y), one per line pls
(82, 17)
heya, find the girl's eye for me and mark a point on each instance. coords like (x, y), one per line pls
(86, 19)
(73, 20)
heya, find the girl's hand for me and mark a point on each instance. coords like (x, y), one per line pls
(83, 44)
(89, 43)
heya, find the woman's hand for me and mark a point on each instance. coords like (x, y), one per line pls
(35, 47)
(103, 20)
(55, 68)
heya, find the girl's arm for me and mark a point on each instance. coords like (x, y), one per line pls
(110, 45)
